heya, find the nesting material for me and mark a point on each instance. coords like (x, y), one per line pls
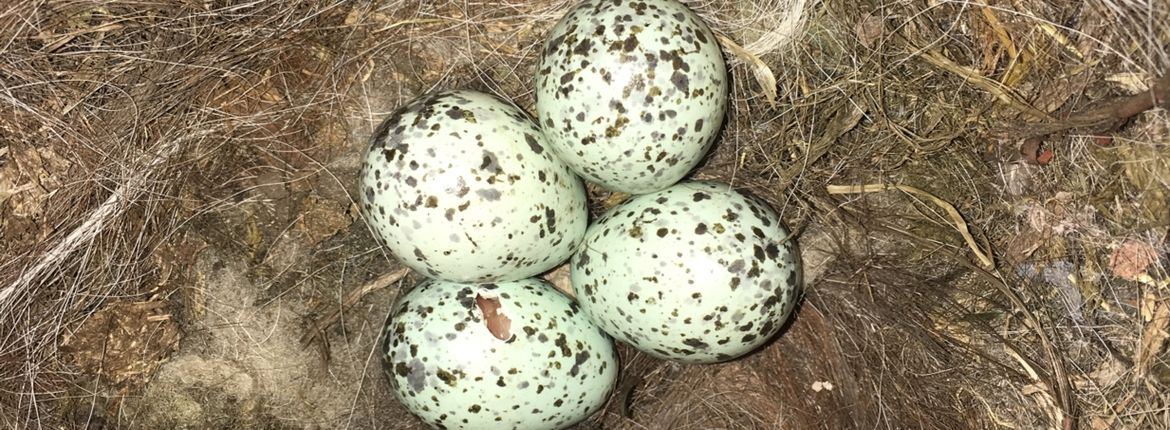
(204, 155)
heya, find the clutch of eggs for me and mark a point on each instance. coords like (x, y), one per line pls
(460, 186)
(511, 355)
(631, 93)
(695, 273)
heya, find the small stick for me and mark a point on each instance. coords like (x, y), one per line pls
(1103, 118)
(324, 323)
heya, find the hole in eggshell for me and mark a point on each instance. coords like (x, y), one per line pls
(495, 320)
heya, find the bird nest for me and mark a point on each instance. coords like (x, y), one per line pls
(979, 190)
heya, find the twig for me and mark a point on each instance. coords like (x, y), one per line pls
(625, 394)
(1104, 118)
(324, 323)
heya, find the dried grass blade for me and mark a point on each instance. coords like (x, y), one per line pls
(956, 218)
(320, 326)
(760, 70)
(996, 89)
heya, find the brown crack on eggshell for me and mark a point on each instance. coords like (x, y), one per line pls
(493, 315)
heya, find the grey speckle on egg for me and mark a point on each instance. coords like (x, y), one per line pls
(460, 186)
(553, 369)
(695, 273)
(631, 93)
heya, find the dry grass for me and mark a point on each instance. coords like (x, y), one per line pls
(125, 126)
(121, 124)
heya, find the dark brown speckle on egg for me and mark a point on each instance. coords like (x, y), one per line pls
(447, 368)
(662, 65)
(718, 277)
(470, 168)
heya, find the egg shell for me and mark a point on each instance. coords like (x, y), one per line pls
(460, 186)
(631, 93)
(695, 273)
(450, 370)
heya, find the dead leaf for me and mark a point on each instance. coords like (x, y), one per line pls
(1149, 303)
(1099, 423)
(323, 218)
(1025, 243)
(1153, 339)
(615, 199)
(559, 277)
(869, 29)
(1045, 157)
(1131, 259)
(1018, 178)
(1131, 83)
(1034, 151)
(253, 237)
(8, 190)
(1062, 216)
(1052, 97)
(1108, 373)
(498, 324)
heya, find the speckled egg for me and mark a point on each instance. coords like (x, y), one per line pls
(631, 93)
(511, 355)
(695, 273)
(461, 186)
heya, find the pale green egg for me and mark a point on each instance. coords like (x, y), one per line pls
(695, 273)
(548, 367)
(460, 186)
(631, 93)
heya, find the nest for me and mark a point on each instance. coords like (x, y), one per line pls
(979, 191)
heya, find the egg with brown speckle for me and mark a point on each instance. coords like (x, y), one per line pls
(461, 186)
(695, 273)
(631, 93)
(510, 355)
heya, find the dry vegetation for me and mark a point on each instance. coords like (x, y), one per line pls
(1011, 273)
